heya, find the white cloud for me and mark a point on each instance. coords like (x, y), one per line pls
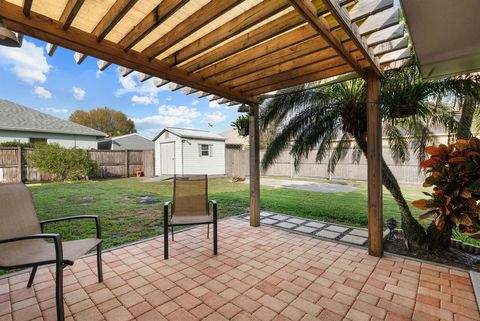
(195, 102)
(144, 100)
(169, 115)
(42, 92)
(213, 104)
(215, 117)
(28, 63)
(55, 110)
(78, 93)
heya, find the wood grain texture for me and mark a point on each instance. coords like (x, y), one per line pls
(119, 9)
(254, 161)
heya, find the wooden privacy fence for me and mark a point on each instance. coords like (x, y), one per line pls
(14, 166)
(236, 164)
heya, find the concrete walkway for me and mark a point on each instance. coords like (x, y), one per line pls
(306, 185)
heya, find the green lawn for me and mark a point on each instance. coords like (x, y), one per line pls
(123, 220)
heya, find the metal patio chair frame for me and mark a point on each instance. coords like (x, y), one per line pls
(212, 219)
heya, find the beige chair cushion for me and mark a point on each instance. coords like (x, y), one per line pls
(191, 219)
(29, 252)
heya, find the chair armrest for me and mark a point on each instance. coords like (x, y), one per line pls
(165, 212)
(214, 205)
(57, 240)
(78, 217)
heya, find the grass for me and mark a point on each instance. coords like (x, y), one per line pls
(123, 220)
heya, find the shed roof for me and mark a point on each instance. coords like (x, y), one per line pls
(20, 118)
(191, 133)
(235, 49)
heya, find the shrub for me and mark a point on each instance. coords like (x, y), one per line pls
(17, 143)
(63, 163)
(454, 173)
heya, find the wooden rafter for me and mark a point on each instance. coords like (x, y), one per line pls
(118, 10)
(158, 15)
(306, 9)
(27, 7)
(203, 16)
(52, 31)
(249, 18)
(352, 31)
(70, 12)
(160, 82)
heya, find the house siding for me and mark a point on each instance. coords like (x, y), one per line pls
(64, 140)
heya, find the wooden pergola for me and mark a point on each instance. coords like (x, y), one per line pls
(233, 51)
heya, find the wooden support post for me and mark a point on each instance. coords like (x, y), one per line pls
(254, 160)
(126, 163)
(374, 158)
(19, 164)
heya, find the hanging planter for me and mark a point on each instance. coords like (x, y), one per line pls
(403, 111)
(241, 125)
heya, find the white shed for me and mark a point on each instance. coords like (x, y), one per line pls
(187, 151)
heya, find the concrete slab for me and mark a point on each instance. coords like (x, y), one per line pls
(296, 221)
(286, 225)
(268, 221)
(315, 224)
(327, 234)
(359, 232)
(337, 228)
(358, 240)
(305, 229)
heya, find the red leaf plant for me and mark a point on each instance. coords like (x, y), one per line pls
(454, 173)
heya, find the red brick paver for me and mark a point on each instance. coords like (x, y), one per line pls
(259, 274)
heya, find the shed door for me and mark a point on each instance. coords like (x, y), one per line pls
(167, 156)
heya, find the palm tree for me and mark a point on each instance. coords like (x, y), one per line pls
(311, 119)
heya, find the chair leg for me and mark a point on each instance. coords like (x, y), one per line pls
(215, 246)
(172, 232)
(59, 291)
(32, 276)
(208, 231)
(99, 263)
(165, 241)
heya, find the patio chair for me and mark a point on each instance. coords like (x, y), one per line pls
(190, 206)
(23, 242)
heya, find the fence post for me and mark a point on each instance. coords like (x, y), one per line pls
(126, 163)
(19, 164)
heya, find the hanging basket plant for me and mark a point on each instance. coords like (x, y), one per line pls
(454, 173)
(241, 125)
(403, 111)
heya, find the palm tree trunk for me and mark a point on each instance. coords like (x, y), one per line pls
(413, 231)
(466, 118)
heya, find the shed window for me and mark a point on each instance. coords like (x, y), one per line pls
(205, 150)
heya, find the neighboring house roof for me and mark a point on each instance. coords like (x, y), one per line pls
(129, 141)
(232, 138)
(20, 118)
(191, 133)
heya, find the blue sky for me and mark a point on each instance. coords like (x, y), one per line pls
(58, 86)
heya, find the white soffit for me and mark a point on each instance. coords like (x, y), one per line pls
(445, 35)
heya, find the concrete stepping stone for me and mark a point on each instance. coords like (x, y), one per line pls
(279, 217)
(315, 224)
(286, 225)
(354, 239)
(266, 214)
(327, 234)
(296, 221)
(269, 221)
(336, 228)
(305, 229)
(359, 232)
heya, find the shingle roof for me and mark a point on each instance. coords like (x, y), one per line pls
(191, 133)
(20, 118)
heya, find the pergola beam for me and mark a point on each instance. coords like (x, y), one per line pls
(203, 16)
(306, 9)
(102, 64)
(352, 31)
(156, 17)
(70, 12)
(119, 9)
(254, 164)
(52, 31)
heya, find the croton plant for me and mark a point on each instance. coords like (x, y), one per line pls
(454, 173)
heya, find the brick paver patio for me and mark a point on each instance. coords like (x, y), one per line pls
(259, 274)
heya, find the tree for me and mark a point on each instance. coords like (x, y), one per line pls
(316, 117)
(109, 121)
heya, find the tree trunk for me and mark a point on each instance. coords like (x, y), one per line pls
(466, 118)
(413, 231)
